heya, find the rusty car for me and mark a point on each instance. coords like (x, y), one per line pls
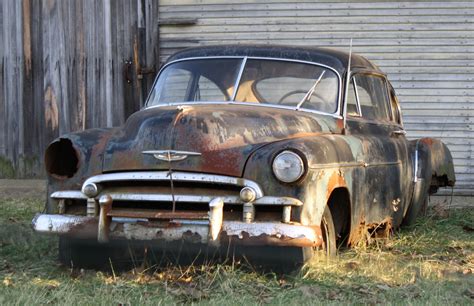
(287, 147)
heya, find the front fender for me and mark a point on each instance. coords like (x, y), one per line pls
(323, 155)
(88, 147)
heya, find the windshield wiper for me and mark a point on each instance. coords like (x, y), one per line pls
(310, 92)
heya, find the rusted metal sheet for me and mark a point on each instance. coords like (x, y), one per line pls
(154, 214)
(225, 137)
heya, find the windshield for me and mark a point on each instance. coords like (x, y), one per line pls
(262, 81)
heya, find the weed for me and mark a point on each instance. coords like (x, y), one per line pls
(430, 263)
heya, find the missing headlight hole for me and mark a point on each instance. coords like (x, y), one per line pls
(61, 159)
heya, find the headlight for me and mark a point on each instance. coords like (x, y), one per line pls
(288, 167)
(61, 159)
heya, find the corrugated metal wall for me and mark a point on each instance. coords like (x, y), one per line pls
(426, 48)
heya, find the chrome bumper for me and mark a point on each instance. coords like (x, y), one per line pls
(104, 223)
(195, 231)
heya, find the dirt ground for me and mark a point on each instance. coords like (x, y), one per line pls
(23, 189)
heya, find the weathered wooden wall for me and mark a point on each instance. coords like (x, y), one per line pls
(69, 65)
(425, 47)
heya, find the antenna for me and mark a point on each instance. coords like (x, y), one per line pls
(348, 79)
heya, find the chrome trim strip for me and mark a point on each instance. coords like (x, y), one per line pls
(248, 104)
(239, 77)
(337, 165)
(346, 89)
(415, 167)
(150, 197)
(384, 164)
(359, 109)
(170, 155)
(68, 194)
(177, 176)
(268, 200)
(356, 164)
(336, 114)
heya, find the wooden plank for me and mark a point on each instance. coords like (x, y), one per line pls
(29, 160)
(98, 47)
(116, 8)
(13, 81)
(208, 4)
(174, 19)
(379, 36)
(3, 87)
(50, 83)
(234, 13)
(127, 63)
(152, 42)
(429, 105)
(177, 21)
(61, 65)
(81, 64)
(109, 98)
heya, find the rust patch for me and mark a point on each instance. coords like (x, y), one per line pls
(27, 36)
(335, 181)
(51, 113)
(263, 239)
(366, 234)
(86, 229)
(427, 141)
(155, 214)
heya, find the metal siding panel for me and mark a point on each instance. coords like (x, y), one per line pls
(427, 49)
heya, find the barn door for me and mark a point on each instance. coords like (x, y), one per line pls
(139, 66)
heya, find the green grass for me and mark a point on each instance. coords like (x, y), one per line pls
(432, 263)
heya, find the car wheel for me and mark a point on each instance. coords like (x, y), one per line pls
(414, 211)
(328, 231)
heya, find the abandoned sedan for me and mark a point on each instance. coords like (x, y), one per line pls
(284, 147)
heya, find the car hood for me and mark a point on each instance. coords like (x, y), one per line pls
(224, 134)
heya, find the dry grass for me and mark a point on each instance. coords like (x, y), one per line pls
(432, 263)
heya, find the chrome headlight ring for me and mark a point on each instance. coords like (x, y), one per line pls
(288, 166)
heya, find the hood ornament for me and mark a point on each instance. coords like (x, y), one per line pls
(170, 155)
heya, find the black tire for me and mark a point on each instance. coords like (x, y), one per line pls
(328, 231)
(415, 211)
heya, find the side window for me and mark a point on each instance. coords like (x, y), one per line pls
(208, 91)
(352, 109)
(397, 117)
(373, 97)
(177, 83)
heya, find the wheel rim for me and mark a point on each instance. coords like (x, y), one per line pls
(325, 247)
(324, 233)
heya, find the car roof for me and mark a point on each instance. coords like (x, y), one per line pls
(329, 57)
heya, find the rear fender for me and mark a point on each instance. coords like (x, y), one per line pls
(435, 163)
(432, 168)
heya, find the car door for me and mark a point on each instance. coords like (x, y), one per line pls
(384, 150)
(398, 136)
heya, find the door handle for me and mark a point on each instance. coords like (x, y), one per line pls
(399, 132)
